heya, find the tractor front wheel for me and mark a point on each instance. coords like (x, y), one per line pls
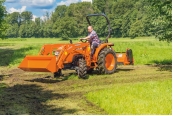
(58, 73)
(82, 69)
(107, 61)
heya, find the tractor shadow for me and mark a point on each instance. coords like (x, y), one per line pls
(165, 65)
(72, 75)
(51, 79)
(123, 70)
(30, 100)
(47, 79)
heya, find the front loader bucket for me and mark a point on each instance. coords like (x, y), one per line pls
(39, 64)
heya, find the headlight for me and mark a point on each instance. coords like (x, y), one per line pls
(56, 53)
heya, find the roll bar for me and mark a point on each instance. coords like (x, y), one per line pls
(108, 23)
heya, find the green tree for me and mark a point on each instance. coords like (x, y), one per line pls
(121, 16)
(47, 29)
(14, 22)
(162, 10)
(100, 5)
(78, 12)
(66, 27)
(14, 18)
(3, 24)
(38, 24)
(60, 12)
(129, 18)
(27, 30)
(26, 16)
(27, 26)
(12, 30)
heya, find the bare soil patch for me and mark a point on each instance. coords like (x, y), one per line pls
(38, 93)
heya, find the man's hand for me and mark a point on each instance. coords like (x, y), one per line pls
(84, 40)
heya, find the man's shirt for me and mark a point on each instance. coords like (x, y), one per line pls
(94, 38)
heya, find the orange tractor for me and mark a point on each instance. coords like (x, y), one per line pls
(55, 57)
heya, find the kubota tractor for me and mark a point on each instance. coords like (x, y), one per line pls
(55, 57)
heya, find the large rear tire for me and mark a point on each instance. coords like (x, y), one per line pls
(107, 61)
(82, 69)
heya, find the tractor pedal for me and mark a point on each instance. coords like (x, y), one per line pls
(92, 64)
(72, 68)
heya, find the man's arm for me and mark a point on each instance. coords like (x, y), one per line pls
(86, 38)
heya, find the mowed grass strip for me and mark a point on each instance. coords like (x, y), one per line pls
(153, 97)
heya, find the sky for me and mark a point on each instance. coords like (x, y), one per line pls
(37, 7)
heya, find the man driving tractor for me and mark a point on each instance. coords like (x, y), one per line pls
(93, 39)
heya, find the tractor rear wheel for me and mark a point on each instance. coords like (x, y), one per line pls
(82, 69)
(107, 61)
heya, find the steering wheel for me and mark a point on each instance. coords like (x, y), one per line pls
(83, 40)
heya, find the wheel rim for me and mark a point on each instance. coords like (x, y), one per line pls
(110, 62)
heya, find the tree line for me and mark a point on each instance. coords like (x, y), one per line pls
(129, 18)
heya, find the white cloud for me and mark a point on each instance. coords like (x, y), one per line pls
(38, 3)
(44, 18)
(67, 2)
(23, 8)
(34, 17)
(11, 10)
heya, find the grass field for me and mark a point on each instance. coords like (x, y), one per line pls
(135, 98)
(145, 88)
(145, 50)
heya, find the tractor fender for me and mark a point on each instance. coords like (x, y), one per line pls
(100, 47)
(76, 58)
